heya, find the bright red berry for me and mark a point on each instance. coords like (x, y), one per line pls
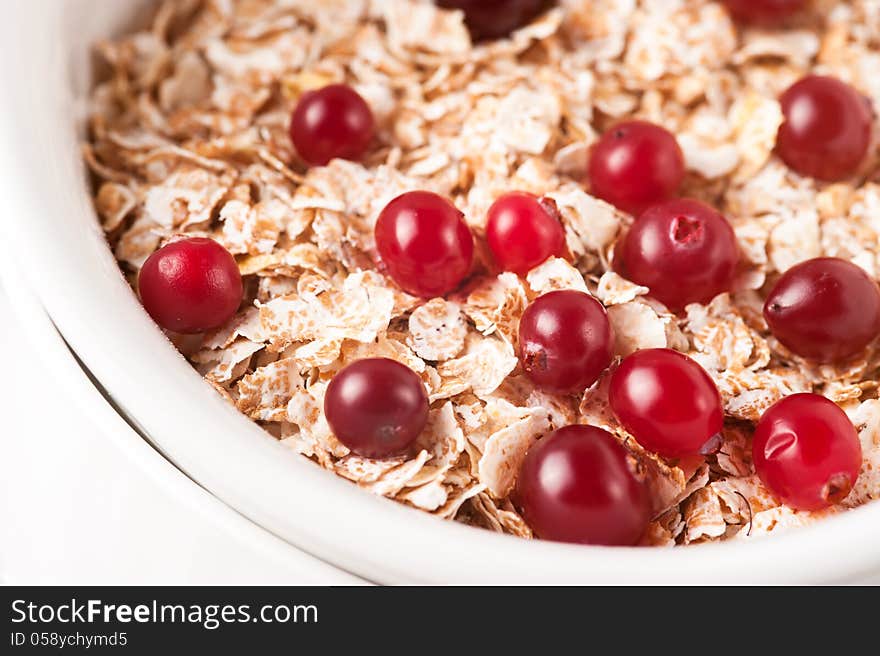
(636, 164)
(807, 452)
(827, 128)
(333, 122)
(565, 341)
(493, 19)
(825, 309)
(523, 231)
(666, 401)
(763, 11)
(190, 286)
(682, 250)
(376, 407)
(577, 484)
(425, 243)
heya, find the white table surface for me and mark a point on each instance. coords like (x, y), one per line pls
(75, 508)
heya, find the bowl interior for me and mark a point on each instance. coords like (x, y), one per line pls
(64, 255)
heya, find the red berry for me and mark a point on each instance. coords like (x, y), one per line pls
(493, 19)
(825, 309)
(682, 250)
(636, 164)
(425, 244)
(827, 128)
(763, 11)
(807, 452)
(190, 286)
(565, 341)
(333, 122)
(666, 401)
(577, 485)
(523, 231)
(376, 407)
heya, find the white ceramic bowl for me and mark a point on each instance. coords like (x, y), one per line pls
(46, 67)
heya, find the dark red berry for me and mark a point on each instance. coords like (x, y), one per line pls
(376, 407)
(827, 128)
(425, 243)
(666, 401)
(523, 231)
(190, 286)
(577, 484)
(565, 341)
(493, 19)
(807, 452)
(763, 11)
(636, 164)
(333, 122)
(682, 250)
(825, 309)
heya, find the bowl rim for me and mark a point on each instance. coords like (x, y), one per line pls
(69, 374)
(67, 263)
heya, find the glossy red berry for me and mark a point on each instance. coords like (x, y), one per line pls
(666, 401)
(682, 250)
(523, 231)
(636, 164)
(376, 407)
(333, 122)
(577, 484)
(425, 243)
(190, 286)
(827, 128)
(825, 309)
(493, 19)
(565, 341)
(764, 11)
(807, 452)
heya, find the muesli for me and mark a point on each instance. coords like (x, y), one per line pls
(190, 137)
